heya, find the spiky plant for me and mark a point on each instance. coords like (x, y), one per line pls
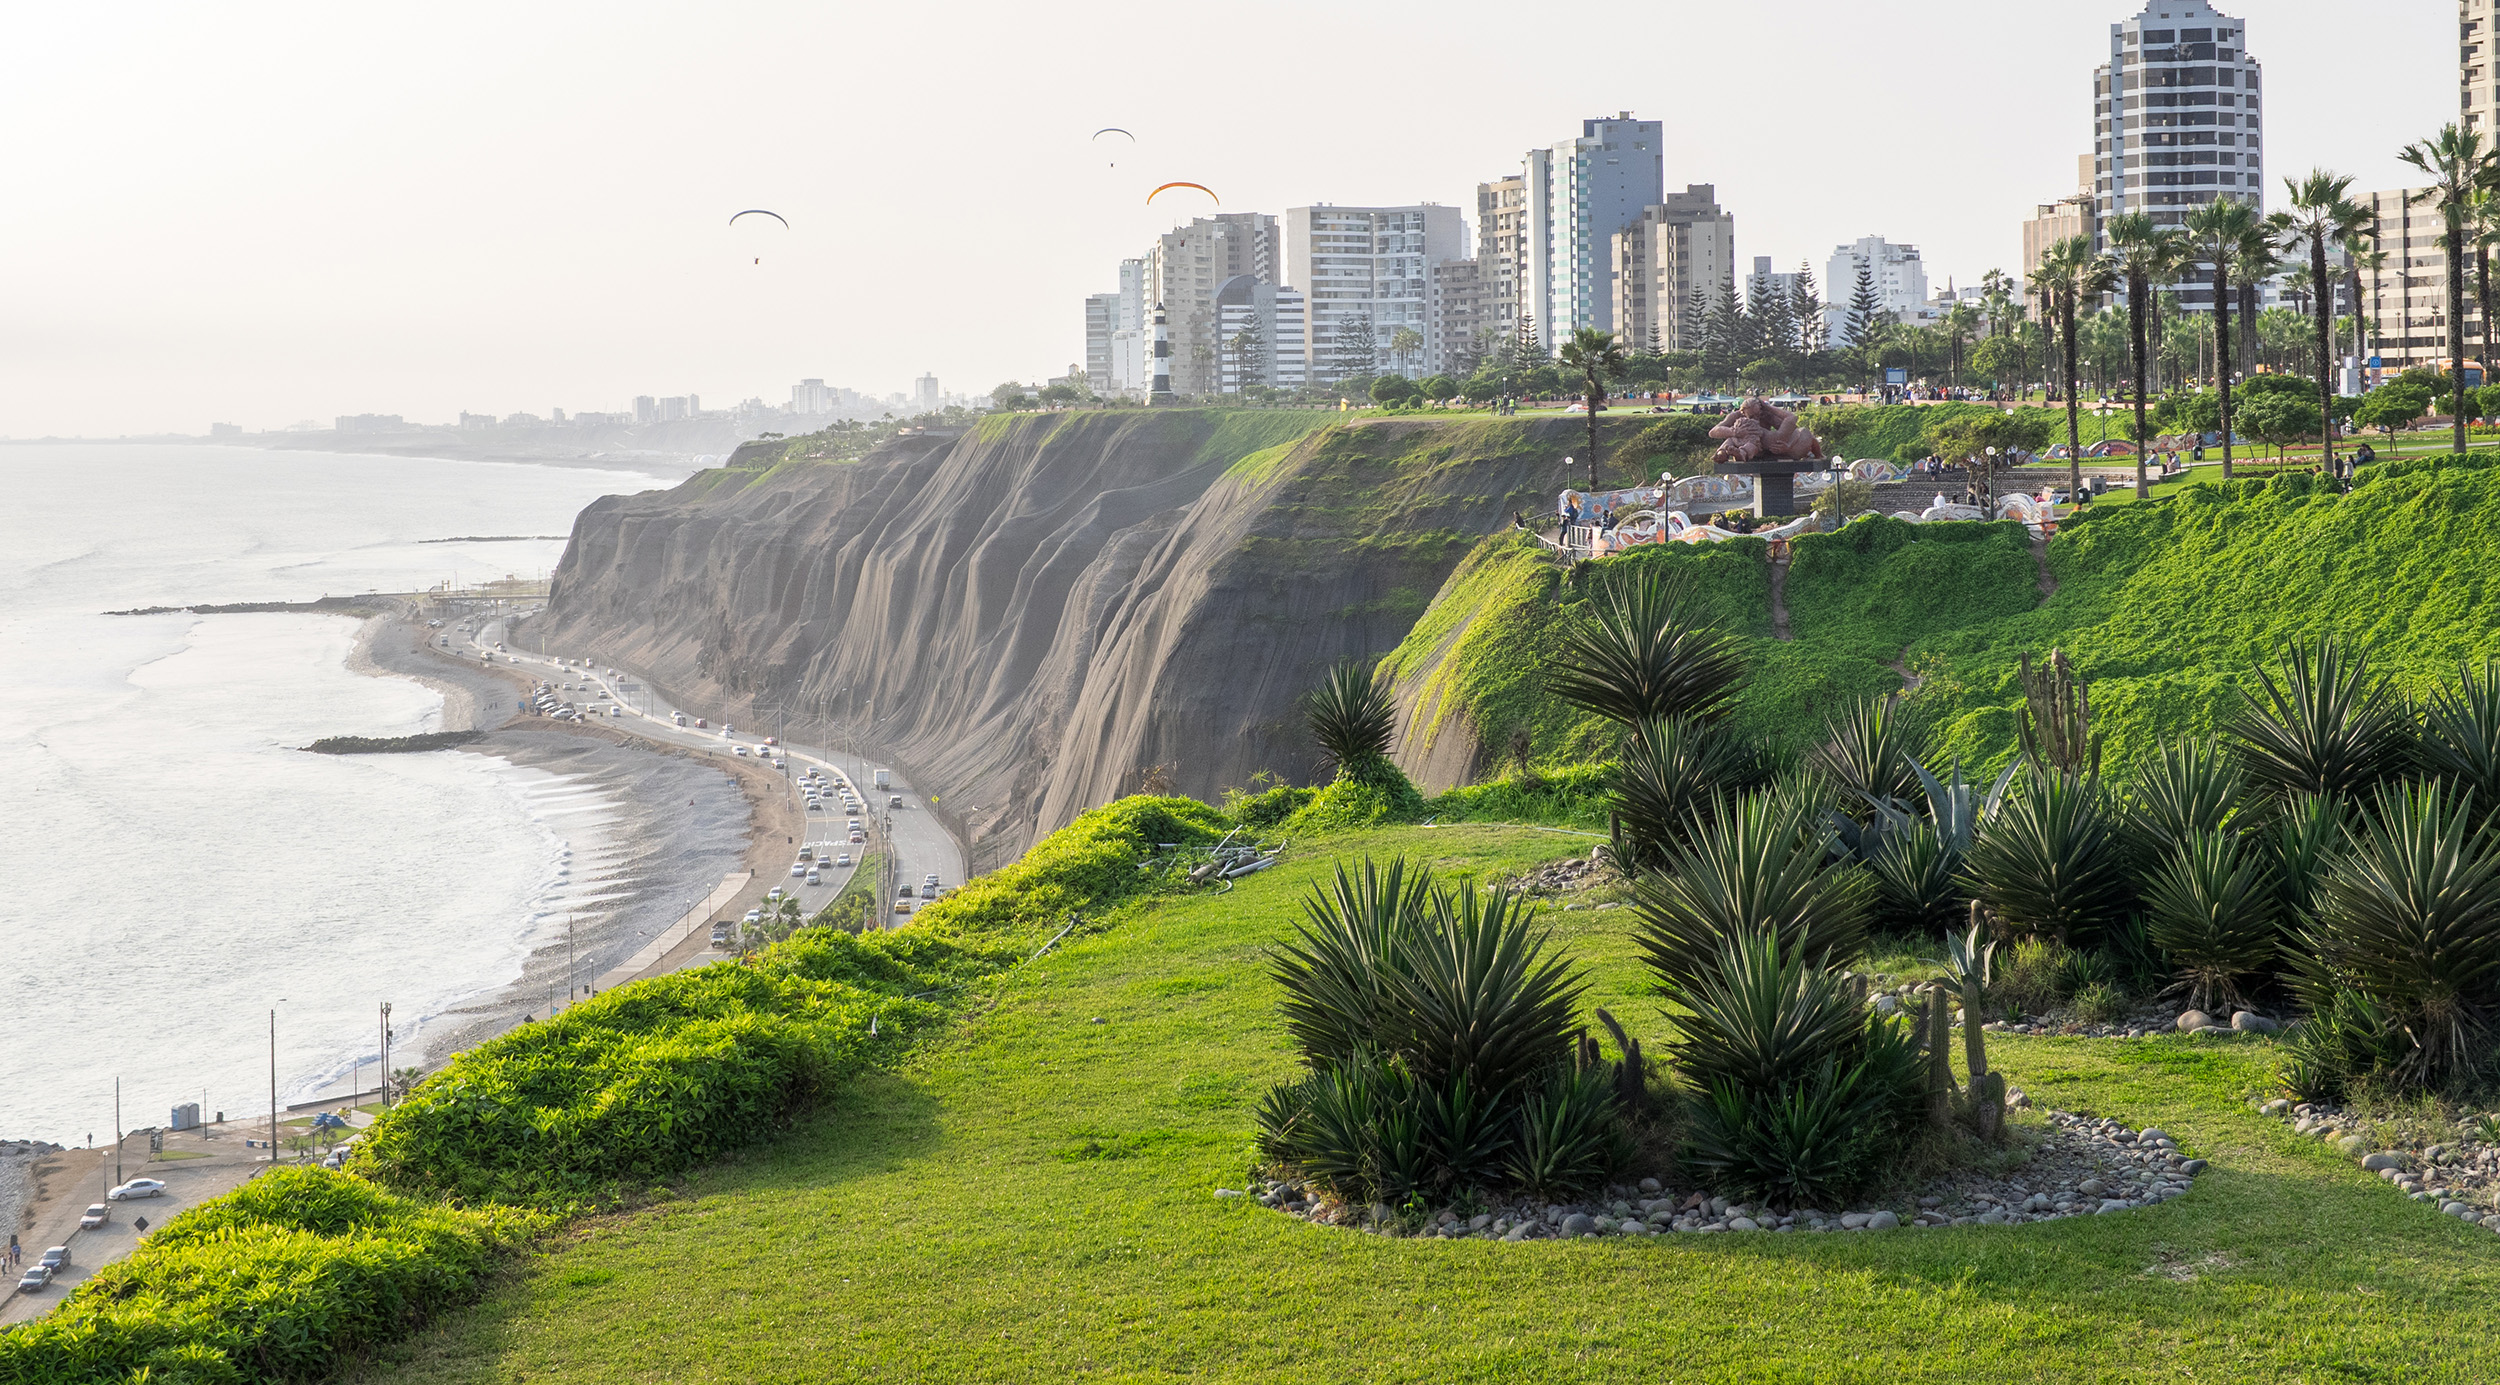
(2321, 724)
(1917, 888)
(1763, 1017)
(2409, 916)
(1757, 867)
(2300, 839)
(2050, 861)
(2214, 910)
(1352, 716)
(1339, 974)
(1670, 772)
(1476, 1000)
(2461, 737)
(1645, 652)
(1566, 1135)
(2184, 786)
(1956, 807)
(1872, 750)
(2056, 726)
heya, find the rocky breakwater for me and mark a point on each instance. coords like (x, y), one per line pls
(1034, 616)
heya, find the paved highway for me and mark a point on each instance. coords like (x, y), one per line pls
(920, 844)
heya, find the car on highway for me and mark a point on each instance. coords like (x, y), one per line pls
(700, 724)
(720, 935)
(738, 750)
(137, 1187)
(903, 893)
(842, 860)
(930, 879)
(679, 718)
(97, 1215)
(773, 895)
(797, 869)
(928, 891)
(902, 906)
(755, 916)
(894, 800)
(859, 839)
(35, 1278)
(814, 878)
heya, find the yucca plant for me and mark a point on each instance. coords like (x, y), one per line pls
(2461, 737)
(1567, 1133)
(1352, 716)
(2346, 1034)
(1644, 653)
(1358, 1128)
(1476, 1000)
(1669, 771)
(1916, 878)
(1339, 973)
(1812, 1142)
(2214, 910)
(2300, 839)
(1872, 751)
(2409, 916)
(2049, 861)
(2325, 726)
(1759, 866)
(2183, 787)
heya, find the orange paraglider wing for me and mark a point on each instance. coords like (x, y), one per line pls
(1167, 187)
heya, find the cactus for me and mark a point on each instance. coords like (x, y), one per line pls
(2056, 726)
(1970, 961)
(1936, 1027)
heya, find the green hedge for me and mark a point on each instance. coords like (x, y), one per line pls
(274, 1281)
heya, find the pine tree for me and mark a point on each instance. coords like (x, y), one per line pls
(1356, 352)
(1531, 353)
(1809, 310)
(1774, 322)
(1866, 309)
(1724, 338)
(1696, 320)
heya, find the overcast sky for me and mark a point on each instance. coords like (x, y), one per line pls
(263, 213)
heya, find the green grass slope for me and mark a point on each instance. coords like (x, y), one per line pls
(2164, 606)
(1031, 1198)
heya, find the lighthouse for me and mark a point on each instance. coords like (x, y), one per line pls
(1162, 393)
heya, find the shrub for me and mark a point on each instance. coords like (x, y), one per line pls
(2049, 861)
(2327, 727)
(1267, 808)
(2031, 976)
(2461, 737)
(281, 1279)
(1759, 866)
(1915, 874)
(1670, 774)
(2213, 909)
(1872, 750)
(2409, 917)
(1352, 716)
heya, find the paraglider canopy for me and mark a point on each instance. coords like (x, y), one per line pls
(1167, 187)
(1114, 130)
(759, 211)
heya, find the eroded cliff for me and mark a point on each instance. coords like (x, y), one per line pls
(1033, 616)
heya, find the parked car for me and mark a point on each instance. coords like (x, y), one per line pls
(36, 1277)
(137, 1187)
(56, 1259)
(97, 1215)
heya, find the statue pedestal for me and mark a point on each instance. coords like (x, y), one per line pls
(1775, 483)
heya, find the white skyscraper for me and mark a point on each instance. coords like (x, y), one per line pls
(2175, 121)
(1260, 333)
(1900, 280)
(1579, 194)
(1368, 267)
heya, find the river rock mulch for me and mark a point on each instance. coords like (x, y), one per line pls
(2460, 1178)
(2080, 1166)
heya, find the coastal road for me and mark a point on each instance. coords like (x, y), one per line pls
(920, 843)
(207, 1163)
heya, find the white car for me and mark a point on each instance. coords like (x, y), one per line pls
(842, 860)
(798, 869)
(813, 878)
(137, 1187)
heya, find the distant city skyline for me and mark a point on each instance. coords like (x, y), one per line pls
(432, 213)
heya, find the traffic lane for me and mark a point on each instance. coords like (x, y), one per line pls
(188, 1183)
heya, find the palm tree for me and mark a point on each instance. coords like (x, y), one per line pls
(2221, 233)
(2072, 271)
(2151, 255)
(1961, 323)
(2460, 170)
(2368, 259)
(2320, 212)
(1598, 357)
(1404, 343)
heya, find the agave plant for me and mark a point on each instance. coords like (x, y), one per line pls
(1812, 1142)
(2214, 910)
(1352, 716)
(2184, 787)
(1670, 771)
(2461, 737)
(1917, 888)
(2049, 861)
(1956, 807)
(1872, 751)
(2300, 840)
(2326, 727)
(1567, 1133)
(2409, 916)
(1358, 1128)
(1476, 1000)
(1759, 866)
(1645, 653)
(1339, 974)
(1764, 1018)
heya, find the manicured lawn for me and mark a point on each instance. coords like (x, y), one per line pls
(1032, 1201)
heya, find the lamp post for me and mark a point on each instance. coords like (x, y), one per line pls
(1988, 490)
(386, 1055)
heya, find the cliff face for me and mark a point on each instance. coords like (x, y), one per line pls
(1033, 616)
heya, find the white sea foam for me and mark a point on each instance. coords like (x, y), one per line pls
(174, 867)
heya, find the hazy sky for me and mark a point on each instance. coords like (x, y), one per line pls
(262, 213)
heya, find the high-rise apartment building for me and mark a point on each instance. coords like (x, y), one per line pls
(1183, 271)
(1458, 313)
(1578, 194)
(924, 392)
(646, 410)
(2072, 215)
(1683, 245)
(1502, 250)
(2405, 298)
(1263, 335)
(1368, 269)
(2176, 121)
(2478, 79)
(1102, 313)
(1899, 277)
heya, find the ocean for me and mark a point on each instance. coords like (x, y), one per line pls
(174, 867)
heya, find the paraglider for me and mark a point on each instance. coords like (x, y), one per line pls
(759, 211)
(1114, 130)
(1167, 187)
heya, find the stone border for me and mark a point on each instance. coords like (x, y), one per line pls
(2461, 1180)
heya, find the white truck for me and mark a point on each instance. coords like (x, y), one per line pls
(883, 779)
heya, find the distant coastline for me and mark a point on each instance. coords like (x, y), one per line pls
(502, 538)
